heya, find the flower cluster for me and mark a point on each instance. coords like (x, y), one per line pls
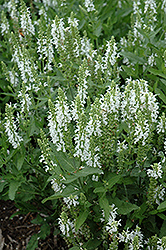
(26, 21)
(25, 101)
(135, 106)
(156, 172)
(11, 75)
(4, 27)
(145, 16)
(45, 46)
(46, 152)
(156, 192)
(66, 226)
(112, 224)
(133, 240)
(27, 68)
(89, 5)
(104, 65)
(71, 201)
(59, 119)
(11, 126)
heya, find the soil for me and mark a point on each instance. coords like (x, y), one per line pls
(16, 232)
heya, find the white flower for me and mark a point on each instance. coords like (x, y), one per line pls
(111, 54)
(59, 117)
(112, 224)
(156, 172)
(50, 3)
(66, 226)
(89, 5)
(82, 80)
(141, 132)
(128, 237)
(73, 22)
(161, 245)
(63, 227)
(151, 5)
(25, 64)
(95, 178)
(4, 28)
(151, 60)
(58, 33)
(25, 101)
(159, 193)
(121, 146)
(161, 126)
(11, 128)
(136, 8)
(71, 200)
(26, 23)
(56, 187)
(45, 51)
(11, 5)
(164, 5)
(110, 105)
(13, 78)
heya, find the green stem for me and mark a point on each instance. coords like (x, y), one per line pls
(126, 191)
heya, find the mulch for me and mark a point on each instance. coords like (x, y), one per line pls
(16, 232)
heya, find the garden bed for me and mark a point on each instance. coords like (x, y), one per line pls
(17, 231)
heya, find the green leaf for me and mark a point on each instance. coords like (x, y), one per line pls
(157, 72)
(123, 126)
(33, 243)
(163, 230)
(2, 185)
(129, 71)
(38, 220)
(161, 95)
(127, 181)
(20, 161)
(33, 126)
(44, 231)
(153, 212)
(40, 104)
(100, 190)
(132, 57)
(103, 202)
(81, 219)
(74, 248)
(162, 206)
(55, 78)
(82, 173)
(126, 208)
(97, 31)
(67, 192)
(163, 81)
(13, 186)
(92, 244)
(113, 181)
(66, 163)
(162, 216)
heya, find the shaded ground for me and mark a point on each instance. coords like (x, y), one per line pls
(15, 233)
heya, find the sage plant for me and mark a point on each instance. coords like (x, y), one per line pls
(90, 100)
(111, 139)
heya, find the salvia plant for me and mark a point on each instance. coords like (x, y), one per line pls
(82, 119)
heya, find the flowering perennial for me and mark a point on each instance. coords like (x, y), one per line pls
(102, 139)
